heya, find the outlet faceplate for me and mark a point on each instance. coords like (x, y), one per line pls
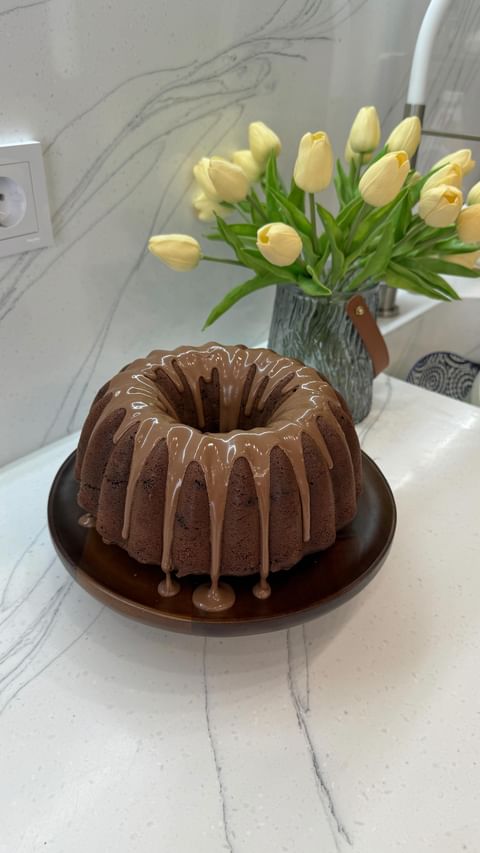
(24, 211)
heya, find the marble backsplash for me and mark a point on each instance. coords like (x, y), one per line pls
(125, 98)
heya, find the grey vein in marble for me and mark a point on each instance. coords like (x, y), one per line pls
(20, 7)
(25, 648)
(53, 660)
(214, 750)
(339, 831)
(16, 565)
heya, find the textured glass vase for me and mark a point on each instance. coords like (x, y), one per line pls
(320, 333)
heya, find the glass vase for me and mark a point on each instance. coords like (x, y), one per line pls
(320, 333)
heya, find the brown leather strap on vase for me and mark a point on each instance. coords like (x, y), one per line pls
(366, 326)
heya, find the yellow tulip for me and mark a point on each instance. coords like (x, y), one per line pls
(279, 243)
(384, 179)
(365, 132)
(406, 136)
(229, 181)
(468, 224)
(450, 174)
(473, 196)
(467, 259)
(200, 171)
(440, 206)
(463, 157)
(262, 140)
(206, 208)
(314, 165)
(248, 164)
(178, 251)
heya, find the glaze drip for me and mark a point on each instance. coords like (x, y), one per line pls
(303, 397)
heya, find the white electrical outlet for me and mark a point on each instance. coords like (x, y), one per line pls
(24, 212)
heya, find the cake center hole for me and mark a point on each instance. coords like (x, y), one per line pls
(222, 407)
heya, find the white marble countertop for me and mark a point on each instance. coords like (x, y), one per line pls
(360, 731)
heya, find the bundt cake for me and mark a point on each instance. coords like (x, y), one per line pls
(218, 460)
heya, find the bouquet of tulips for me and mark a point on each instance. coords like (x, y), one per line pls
(393, 225)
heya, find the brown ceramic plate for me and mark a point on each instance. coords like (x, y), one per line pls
(317, 584)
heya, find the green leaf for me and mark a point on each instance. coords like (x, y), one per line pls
(258, 218)
(240, 229)
(324, 250)
(343, 185)
(253, 259)
(311, 289)
(320, 286)
(399, 280)
(437, 265)
(229, 235)
(295, 216)
(378, 261)
(237, 293)
(403, 218)
(308, 252)
(271, 182)
(297, 196)
(335, 238)
(349, 212)
(377, 217)
(455, 247)
(400, 276)
(439, 283)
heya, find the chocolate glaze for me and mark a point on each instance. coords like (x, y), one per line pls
(262, 589)
(169, 586)
(213, 599)
(87, 520)
(303, 397)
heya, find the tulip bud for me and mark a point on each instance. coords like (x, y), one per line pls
(406, 136)
(178, 251)
(440, 206)
(314, 165)
(463, 157)
(229, 181)
(450, 174)
(365, 131)
(206, 208)
(248, 164)
(262, 140)
(200, 171)
(468, 224)
(473, 196)
(384, 179)
(279, 243)
(351, 155)
(467, 259)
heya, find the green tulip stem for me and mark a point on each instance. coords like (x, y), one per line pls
(256, 203)
(313, 220)
(221, 260)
